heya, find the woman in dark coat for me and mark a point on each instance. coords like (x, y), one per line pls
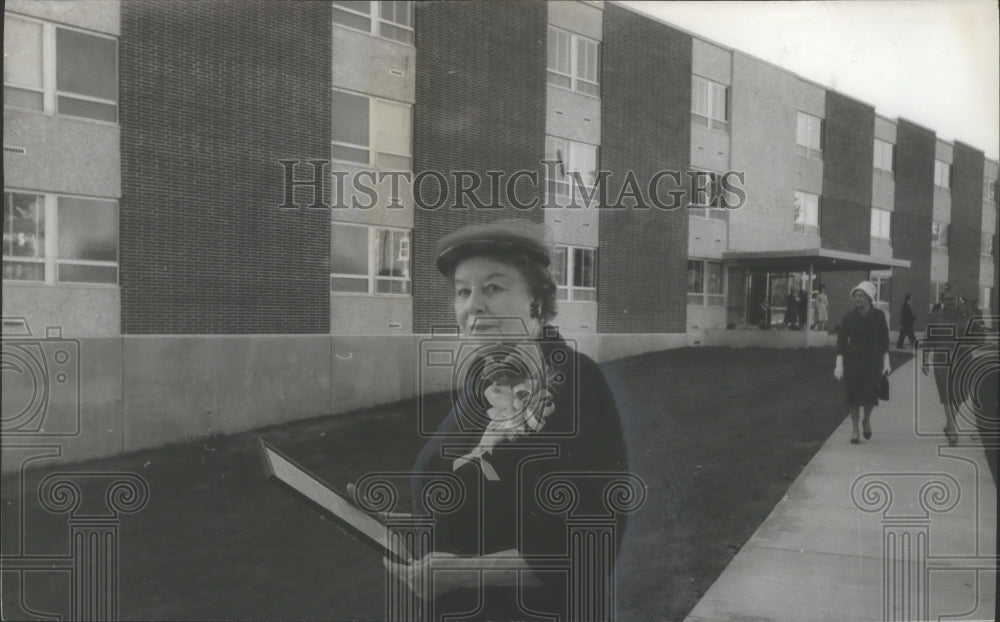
(533, 412)
(862, 356)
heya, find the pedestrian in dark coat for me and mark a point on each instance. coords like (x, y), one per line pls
(907, 319)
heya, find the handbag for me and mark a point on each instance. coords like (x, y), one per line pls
(883, 388)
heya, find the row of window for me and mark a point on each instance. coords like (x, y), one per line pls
(706, 282)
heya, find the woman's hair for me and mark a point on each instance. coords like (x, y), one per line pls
(540, 282)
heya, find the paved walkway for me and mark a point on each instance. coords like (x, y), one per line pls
(901, 527)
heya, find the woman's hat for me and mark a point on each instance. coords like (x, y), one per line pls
(867, 287)
(500, 235)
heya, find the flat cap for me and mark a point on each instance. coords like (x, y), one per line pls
(500, 235)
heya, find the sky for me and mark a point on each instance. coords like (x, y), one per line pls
(934, 62)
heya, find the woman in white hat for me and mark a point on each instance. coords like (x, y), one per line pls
(862, 356)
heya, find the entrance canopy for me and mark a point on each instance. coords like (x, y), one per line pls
(811, 260)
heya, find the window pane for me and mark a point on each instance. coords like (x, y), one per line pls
(387, 286)
(583, 160)
(802, 130)
(699, 96)
(719, 102)
(389, 162)
(695, 277)
(359, 22)
(88, 109)
(393, 253)
(392, 128)
(350, 154)
(349, 250)
(559, 50)
(76, 273)
(588, 295)
(713, 278)
(23, 225)
(341, 284)
(559, 80)
(350, 118)
(22, 98)
(23, 270)
(88, 229)
(588, 88)
(396, 33)
(86, 65)
(397, 12)
(22, 53)
(558, 267)
(583, 268)
(586, 59)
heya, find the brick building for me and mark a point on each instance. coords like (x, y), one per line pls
(206, 198)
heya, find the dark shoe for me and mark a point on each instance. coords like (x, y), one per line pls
(854, 438)
(867, 429)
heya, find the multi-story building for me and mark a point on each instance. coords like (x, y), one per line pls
(231, 207)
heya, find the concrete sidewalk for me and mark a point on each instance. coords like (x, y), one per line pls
(901, 527)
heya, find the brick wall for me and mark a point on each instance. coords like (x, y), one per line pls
(913, 213)
(848, 142)
(212, 95)
(645, 128)
(965, 237)
(480, 106)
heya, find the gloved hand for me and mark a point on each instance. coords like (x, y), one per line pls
(886, 367)
(838, 369)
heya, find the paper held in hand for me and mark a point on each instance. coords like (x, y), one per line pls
(364, 526)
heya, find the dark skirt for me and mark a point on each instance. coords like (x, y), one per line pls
(862, 375)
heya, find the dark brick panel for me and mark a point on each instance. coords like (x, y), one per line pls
(480, 106)
(965, 237)
(838, 290)
(848, 143)
(645, 128)
(912, 216)
(212, 95)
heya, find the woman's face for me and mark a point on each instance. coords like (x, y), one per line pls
(861, 301)
(950, 301)
(492, 298)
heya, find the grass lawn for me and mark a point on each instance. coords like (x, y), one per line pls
(717, 434)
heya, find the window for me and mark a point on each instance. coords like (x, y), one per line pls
(809, 136)
(988, 246)
(705, 282)
(706, 198)
(881, 224)
(570, 157)
(574, 62)
(990, 189)
(574, 270)
(390, 20)
(371, 131)
(59, 70)
(939, 234)
(942, 174)
(806, 213)
(883, 156)
(369, 260)
(883, 287)
(936, 287)
(59, 239)
(709, 105)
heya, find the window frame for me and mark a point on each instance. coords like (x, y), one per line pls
(942, 173)
(936, 244)
(49, 73)
(710, 120)
(568, 165)
(805, 228)
(372, 147)
(703, 298)
(990, 190)
(50, 258)
(574, 40)
(879, 156)
(877, 232)
(375, 21)
(806, 150)
(988, 244)
(372, 278)
(571, 290)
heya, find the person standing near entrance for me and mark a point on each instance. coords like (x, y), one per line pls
(822, 308)
(862, 356)
(906, 321)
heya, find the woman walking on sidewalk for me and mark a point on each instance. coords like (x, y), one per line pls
(862, 356)
(950, 323)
